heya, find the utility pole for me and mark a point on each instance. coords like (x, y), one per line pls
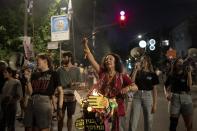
(73, 37)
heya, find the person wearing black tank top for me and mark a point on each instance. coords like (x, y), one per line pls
(177, 87)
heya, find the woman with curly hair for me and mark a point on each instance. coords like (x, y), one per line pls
(112, 84)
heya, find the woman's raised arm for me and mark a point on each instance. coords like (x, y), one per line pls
(89, 55)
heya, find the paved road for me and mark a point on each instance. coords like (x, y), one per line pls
(161, 117)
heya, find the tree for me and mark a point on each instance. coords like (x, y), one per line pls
(11, 25)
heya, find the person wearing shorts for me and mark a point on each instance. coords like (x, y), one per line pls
(41, 85)
(177, 88)
(70, 79)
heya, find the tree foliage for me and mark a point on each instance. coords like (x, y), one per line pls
(11, 28)
(12, 25)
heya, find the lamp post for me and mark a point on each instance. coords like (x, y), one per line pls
(60, 43)
(70, 19)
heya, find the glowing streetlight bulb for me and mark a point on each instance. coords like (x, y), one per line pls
(152, 42)
(139, 36)
(142, 43)
(152, 47)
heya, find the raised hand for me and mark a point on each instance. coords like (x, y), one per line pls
(85, 41)
(86, 48)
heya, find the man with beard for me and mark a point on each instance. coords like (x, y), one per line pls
(70, 79)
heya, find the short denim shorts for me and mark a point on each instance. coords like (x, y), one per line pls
(39, 112)
(181, 104)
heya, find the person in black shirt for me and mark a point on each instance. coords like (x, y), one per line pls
(41, 86)
(146, 96)
(177, 88)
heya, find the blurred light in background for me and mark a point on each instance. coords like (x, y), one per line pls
(142, 43)
(139, 36)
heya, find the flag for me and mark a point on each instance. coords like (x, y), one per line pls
(28, 47)
(30, 6)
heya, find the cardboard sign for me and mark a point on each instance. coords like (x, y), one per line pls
(98, 102)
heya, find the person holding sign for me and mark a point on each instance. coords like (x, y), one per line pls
(112, 84)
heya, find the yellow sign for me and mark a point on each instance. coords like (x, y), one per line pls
(98, 102)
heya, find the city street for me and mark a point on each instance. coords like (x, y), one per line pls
(161, 118)
(103, 39)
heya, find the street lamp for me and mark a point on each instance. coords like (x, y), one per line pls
(139, 36)
(152, 47)
(142, 44)
(165, 43)
(152, 43)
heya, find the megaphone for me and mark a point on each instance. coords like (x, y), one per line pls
(192, 53)
(137, 53)
(16, 61)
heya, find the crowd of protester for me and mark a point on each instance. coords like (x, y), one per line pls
(43, 93)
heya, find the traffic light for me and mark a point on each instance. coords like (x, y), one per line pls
(122, 19)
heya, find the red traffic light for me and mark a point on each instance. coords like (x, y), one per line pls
(122, 15)
(122, 19)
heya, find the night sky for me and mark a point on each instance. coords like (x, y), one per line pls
(143, 16)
